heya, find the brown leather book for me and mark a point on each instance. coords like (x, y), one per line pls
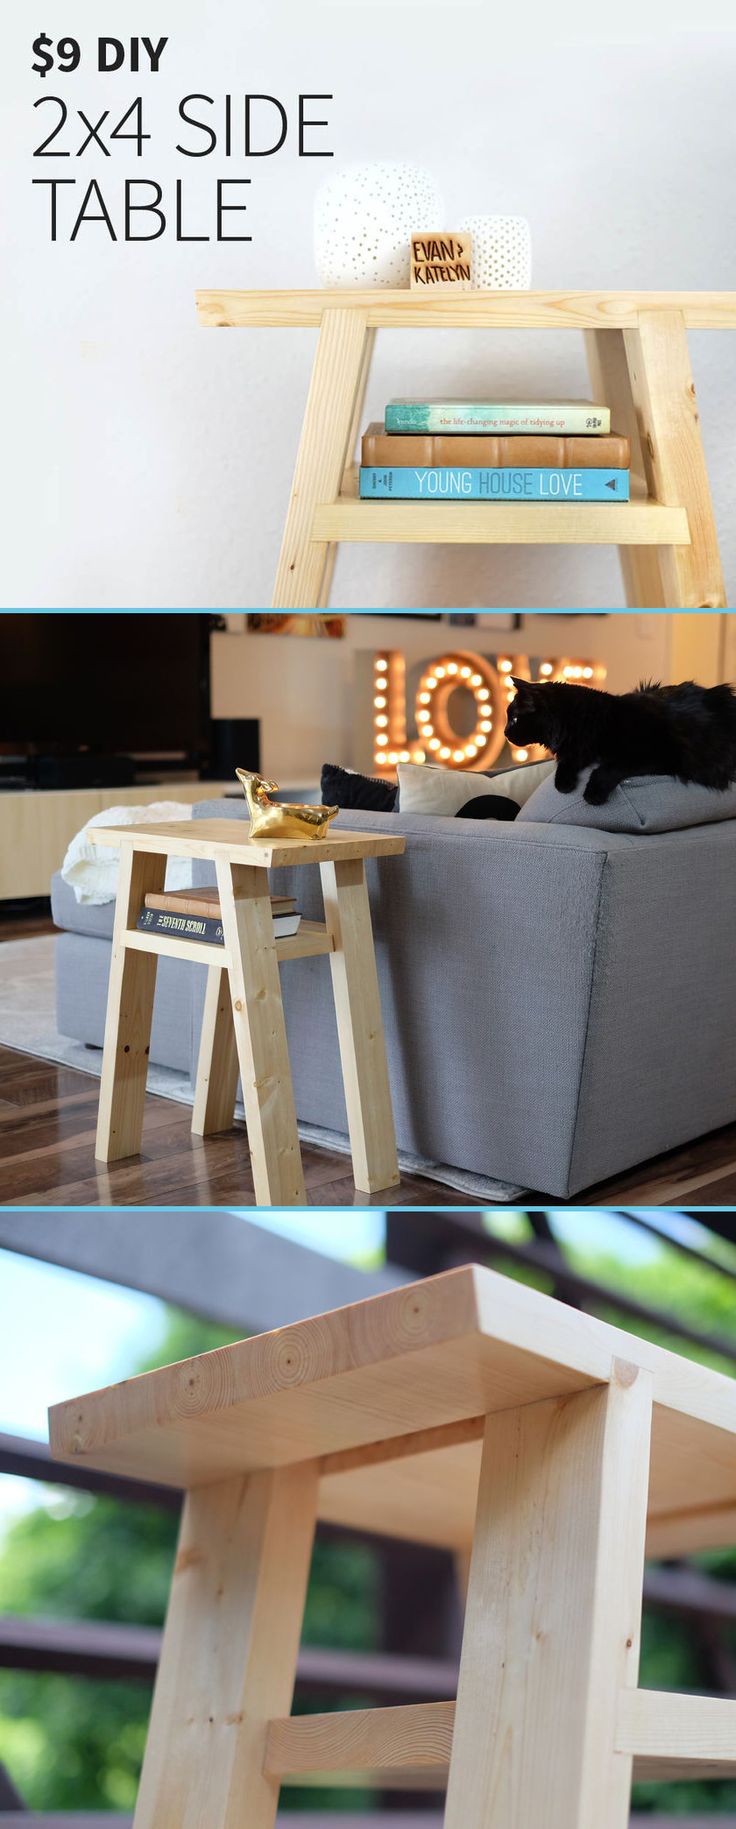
(481, 450)
(205, 901)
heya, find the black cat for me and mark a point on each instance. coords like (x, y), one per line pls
(688, 731)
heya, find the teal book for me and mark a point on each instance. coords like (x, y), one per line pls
(574, 417)
(402, 484)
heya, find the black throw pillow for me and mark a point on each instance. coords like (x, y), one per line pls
(340, 788)
(488, 806)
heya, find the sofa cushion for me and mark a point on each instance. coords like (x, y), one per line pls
(645, 803)
(92, 918)
(426, 788)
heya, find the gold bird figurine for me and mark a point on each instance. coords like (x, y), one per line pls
(269, 818)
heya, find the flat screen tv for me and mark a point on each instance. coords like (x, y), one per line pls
(115, 684)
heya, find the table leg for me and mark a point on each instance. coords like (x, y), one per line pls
(339, 373)
(260, 1036)
(609, 374)
(553, 1613)
(129, 1013)
(322, 601)
(360, 1026)
(669, 427)
(229, 1651)
(217, 1065)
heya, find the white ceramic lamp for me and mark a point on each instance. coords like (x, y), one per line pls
(502, 252)
(364, 218)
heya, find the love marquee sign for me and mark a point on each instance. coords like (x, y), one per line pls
(459, 687)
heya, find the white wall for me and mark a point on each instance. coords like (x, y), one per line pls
(306, 694)
(148, 461)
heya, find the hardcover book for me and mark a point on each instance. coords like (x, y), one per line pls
(207, 928)
(205, 901)
(577, 417)
(404, 483)
(523, 450)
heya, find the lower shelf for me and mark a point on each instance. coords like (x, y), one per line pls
(310, 939)
(638, 523)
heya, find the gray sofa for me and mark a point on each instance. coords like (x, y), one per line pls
(559, 1000)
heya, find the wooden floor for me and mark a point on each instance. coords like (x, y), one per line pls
(48, 1115)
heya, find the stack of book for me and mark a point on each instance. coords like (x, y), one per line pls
(194, 914)
(495, 451)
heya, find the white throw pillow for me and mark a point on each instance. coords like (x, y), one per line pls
(425, 788)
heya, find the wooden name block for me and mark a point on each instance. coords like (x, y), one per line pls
(440, 260)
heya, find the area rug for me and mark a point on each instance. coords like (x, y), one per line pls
(28, 1023)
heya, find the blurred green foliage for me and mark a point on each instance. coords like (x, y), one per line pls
(73, 1743)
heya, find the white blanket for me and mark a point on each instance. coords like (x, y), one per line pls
(92, 870)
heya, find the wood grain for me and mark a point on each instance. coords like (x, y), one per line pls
(610, 381)
(260, 1035)
(360, 1026)
(411, 1747)
(229, 1652)
(48, 1115)
(356, 427)
(442, 1352)
(337, 386)
(553, 1613)
(407, 1745)
(507, 524)
(675, 1736)
(394, 309)
(210, 839)
(131, 987)
(173, 946)
(669, 430)
(217, 1062)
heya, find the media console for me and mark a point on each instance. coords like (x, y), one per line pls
(36, 826)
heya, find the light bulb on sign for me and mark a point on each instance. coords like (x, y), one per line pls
(492, 688)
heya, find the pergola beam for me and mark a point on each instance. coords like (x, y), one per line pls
(215, 1264)
(457, 1237)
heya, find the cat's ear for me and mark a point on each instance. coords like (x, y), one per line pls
(523, 687)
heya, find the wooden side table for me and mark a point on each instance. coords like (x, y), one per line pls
(243, 1027)
(568, 1449)
(639, 365)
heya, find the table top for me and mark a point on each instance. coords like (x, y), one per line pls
(213, 838)
(364, 1389)
(386, 307)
